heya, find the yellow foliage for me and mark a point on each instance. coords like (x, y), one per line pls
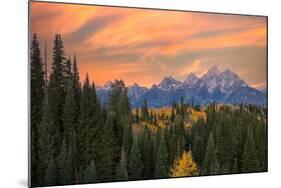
(195, 115)
(187, 125)
(138, 127)
(185, 166)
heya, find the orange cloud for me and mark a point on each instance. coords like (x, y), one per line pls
(144, 45)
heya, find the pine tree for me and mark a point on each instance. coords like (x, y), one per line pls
(64, 166)
(45, 142)
(68, 72)
(56, 93)
(90, 174)
(121, 169)
(235, 168)
(127, 138)
(185, 166)
(50, 177)
(76, 83)
(144, 111)
(36, 99)
(85, 121)
(69, 113)
(76, 77)
(137, 115)
(225, 144)
(156, 144)
(261, 143)
(148, 154)
(119, 104)
(95, 129)
(105, 151)
(70, 121)
(178, 136)
(182, 107)
(173, 114)
(135, 165)
(199, 141)
(161, 166)
(249, 157)
(155, 119)
(210, 161)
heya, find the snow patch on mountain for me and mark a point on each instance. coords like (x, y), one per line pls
(220, 86)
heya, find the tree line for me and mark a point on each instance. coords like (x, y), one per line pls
(76, 139)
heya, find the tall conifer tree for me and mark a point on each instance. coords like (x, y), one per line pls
(210, 161)
(161, 166)
(56, 93)
(121, 169)
(135, 165)
(249, 157)
(36, 100)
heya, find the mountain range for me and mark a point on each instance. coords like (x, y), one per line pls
(221, 87)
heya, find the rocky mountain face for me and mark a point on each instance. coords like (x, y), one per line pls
(221, 87)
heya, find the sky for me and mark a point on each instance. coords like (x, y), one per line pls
(143, 45)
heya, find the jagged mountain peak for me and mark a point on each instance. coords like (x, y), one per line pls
(154, 86)
(214, 70)
(108, 84)
(168, 83)
(221, 86)
(227, 81)
(169, 78)
(135, 85)
(191, 79)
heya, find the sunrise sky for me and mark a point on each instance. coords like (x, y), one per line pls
(143, 46)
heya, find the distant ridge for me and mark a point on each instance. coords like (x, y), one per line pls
(214, 85)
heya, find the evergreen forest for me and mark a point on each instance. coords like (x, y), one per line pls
(77, 139)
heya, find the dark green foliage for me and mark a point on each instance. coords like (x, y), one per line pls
(127, 138)
(173, 113)
(225, 146)
(76, 139)
(235, 168)
(119, 104)
(90, 174)
(50, 174)
(162, 166)
(148, 155)
(68, 70)
(37, 84)
(121, 169)
(70, 113)
(64, 165)
(249, 157)
(199, 141)
(56, 94)
(144, 111)
(135, 163)
(210, 161)
(85, 122)
(156, 143)
(45, 142)
(76, 81)
(137, 118)
(106, 152)
(261, 144)
(178, 135)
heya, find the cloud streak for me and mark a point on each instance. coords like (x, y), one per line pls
(142, 45)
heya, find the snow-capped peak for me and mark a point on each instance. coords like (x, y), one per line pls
(168, 83)
(226, 81)
(191, 79)
(214, 70)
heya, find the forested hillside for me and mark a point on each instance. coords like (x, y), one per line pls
(77, 139)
